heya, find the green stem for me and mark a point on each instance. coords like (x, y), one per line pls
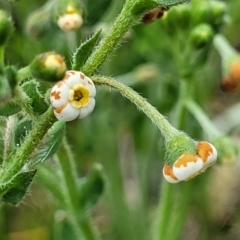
(141, 103)
(18, 160)
(1, 58)
(203, 119)
(109, 43)
(77, 217)
(164, 211)
(185, 93)
(182, 197)
(223, 47)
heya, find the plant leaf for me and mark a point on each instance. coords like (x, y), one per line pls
(84, 51)
(34, 97)
(49, 144)
(16, 189)
(9, 108)
(91, 187)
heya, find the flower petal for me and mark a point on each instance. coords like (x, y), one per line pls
(59, 94)
(187, 166)
(207, 152)
(72, 78)
(85, 111)
(168, 174)
(66, 112)
(90, 85)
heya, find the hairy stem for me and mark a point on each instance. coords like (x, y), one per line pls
(109, 43)
(77, 217)
(203, 119)
(18, 160)
(141, 103)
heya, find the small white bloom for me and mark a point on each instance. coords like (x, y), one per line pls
(73, 97)
(70, 21)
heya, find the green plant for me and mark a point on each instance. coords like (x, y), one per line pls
(35, 111)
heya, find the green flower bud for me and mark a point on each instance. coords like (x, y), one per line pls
(201, 35)
(218, 11)
(201, 13)
(48, 66)
(179, 16)
(6, 27)
(228, 150)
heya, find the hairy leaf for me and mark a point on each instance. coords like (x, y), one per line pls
(84, 51)
(49, 144)
(14, 191)
(34, 97)
(91, 187)
(9, 108)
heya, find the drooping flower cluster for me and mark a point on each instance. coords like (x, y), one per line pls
(73, 97)
(188, 165)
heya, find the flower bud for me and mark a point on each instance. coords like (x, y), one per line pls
(70, 19)
(201, 12)
(179, 16)
(228, 150)
(231, 82)
(230, 64)
(188, 165)
(6, 27)
(201, 35)
(153, 15)
(48, 66)
(218, 11)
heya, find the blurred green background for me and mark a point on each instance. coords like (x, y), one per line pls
(121, 138)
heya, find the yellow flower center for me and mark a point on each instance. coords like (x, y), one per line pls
(79, 96)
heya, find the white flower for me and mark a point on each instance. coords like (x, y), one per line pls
(73, 97)
(188, 166)
(70, 21)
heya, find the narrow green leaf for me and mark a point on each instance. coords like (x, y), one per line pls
(16, 189)
(49, 144)
(34, 97)
(9, 108)
(84, 51)
(91, 187)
